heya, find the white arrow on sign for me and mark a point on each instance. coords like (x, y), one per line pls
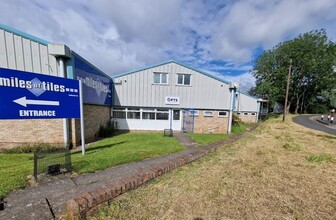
(24, 102)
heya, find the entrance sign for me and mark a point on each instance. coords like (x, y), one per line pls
(25, 95)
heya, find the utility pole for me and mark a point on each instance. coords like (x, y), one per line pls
(287, 90)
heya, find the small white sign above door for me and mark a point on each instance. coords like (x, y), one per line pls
(172, 100)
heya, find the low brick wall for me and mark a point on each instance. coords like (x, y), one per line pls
(86, 203)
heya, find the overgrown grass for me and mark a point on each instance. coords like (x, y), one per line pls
(204, 139)
(123, 148)
(261, 176)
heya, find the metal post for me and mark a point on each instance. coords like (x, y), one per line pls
(233, 89)
(82, 117)
(65, 121)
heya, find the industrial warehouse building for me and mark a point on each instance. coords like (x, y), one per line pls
(167, 95)
(174, 96)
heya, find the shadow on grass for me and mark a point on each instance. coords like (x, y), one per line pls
(96, 148)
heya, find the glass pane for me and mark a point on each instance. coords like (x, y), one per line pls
(186, 79)
(162, 110)
(148, 115)
(222, 113)
(117, 114)
(176, 114)
(156, 77)
(180, 79)
(162, 116)
(133, 115)
(164, 78)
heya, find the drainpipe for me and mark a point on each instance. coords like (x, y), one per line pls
(61, 52)
(259, 101)
(65, 120)
(232, 88)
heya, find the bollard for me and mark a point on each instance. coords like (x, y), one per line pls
(322, 116)
(328, 117)
(331, 119)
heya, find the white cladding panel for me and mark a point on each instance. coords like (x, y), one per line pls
(138, 89)
(246, 103)
(20, 53)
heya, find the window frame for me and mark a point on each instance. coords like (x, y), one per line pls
(160, 78)
(208, 115)
(223, 116)
(196, 113)
(183, 79)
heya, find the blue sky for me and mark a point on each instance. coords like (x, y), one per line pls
(222, 37)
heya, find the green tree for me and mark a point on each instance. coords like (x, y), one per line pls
(312, 76)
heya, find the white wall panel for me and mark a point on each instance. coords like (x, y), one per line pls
(3, 50)
(139, 90)
(20, 53)
(10, 50)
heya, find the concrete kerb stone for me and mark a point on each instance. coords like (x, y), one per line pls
(86, 203)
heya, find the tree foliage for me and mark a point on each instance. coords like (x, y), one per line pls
(313, 77)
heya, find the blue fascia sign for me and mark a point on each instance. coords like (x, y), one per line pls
(97, 87)
(25, 95)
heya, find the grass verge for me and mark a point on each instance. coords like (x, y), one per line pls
(123, 148)
(265, 175)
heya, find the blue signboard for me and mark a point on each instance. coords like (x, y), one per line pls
(97, 87)
(25, 95)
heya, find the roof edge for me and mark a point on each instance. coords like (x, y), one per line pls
(23, 34)
(172, 61)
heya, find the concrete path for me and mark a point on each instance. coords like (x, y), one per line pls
(313, 123)
(32, 202)
(185, 140)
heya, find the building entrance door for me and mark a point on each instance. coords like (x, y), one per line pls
(188, 120)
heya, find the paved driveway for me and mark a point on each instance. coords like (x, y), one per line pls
(310, 121)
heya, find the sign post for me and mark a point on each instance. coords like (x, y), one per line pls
(26, 95)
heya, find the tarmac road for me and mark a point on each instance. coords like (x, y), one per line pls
(310, 121)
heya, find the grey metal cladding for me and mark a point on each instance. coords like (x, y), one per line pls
(138, 89)
(246, 103)
(21, 53)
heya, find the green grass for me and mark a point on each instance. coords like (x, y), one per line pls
(204, 139)
(320, 158)
(123, 148)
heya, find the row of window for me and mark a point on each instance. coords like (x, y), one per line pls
(246, 113)
(162, 78)
(207, 113)
(145, 114)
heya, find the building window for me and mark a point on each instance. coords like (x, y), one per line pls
(253, 113)
(162, 114)
(208, 113)
(161, 78)
(193, 112)
(148, 114)
(245, 113)
(133, 113)
(176, 114)
(238, 113)
(222, 114)
(183, 79)
(119, 113)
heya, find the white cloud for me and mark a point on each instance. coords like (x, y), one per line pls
(122, 35)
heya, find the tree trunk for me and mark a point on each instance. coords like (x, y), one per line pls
(297, 106)
(288, 106)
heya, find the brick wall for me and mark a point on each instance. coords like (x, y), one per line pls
(94, 115)
(214, 124)
(20, 132)
(248, 118)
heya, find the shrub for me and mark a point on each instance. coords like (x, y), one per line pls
(29, 148)
(106, 131)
